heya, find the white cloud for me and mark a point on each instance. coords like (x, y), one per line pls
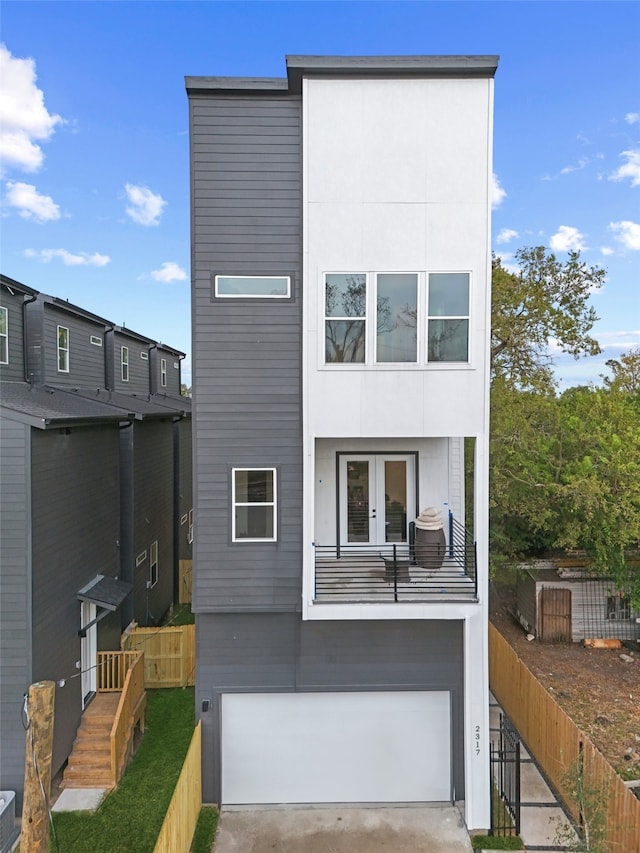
(69, 259)
(567, 239)
(630, 169)
(581, 164)
(23, 115)
(168, 272)
(145, 206)
(498, 195)
(507, 263)
(632, 118)
(627, 233)
(506, 234)
(31, 204)
(607, 250)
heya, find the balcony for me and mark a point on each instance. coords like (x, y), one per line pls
(356, 574)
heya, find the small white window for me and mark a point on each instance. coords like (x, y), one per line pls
(124, 363)
(254, 505)
(163, 372)
(153, 564)
(176, 365)
(63, 349)
(144, 355)
(253, 286)
(142, 556)
(190, 528)
(96, 341)
(4, 336)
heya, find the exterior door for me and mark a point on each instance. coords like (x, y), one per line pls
(555, 607)
(88, 651)
(375, 496)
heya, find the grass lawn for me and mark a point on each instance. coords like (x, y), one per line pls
(129, 819)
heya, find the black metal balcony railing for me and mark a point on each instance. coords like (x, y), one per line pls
(389, 573)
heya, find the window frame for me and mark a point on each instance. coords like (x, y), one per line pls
(95, 341)
(124, 363)
(260, 276)
(163, 372)
(63, 351)
(4, 336)
(419, 289)
(342, 318)
(274, 503)
(429, 317)
(618, 608)
(153, 563)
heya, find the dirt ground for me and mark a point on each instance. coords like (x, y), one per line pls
(595, 687)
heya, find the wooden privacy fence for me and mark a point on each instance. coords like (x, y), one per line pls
(169, 654)
(184, 809)
(557, 743)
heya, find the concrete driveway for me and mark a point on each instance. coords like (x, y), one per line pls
(402, 829)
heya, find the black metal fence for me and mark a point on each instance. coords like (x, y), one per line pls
(505, 781)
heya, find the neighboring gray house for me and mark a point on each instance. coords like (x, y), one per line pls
(340, 304)
(94, 484)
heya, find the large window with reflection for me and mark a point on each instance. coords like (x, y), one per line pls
(396, 317)
(345, 317)
(448, 317)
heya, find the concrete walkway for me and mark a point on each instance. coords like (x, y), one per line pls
(541, 814)
(401, 829)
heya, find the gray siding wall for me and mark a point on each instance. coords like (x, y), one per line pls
(267, 652)
(185, 484)
(75, 522)
(172, 388)
(86, 361)
(138, 367)
(14, 370)
(246, 219)
(153, 516)
(15, 593)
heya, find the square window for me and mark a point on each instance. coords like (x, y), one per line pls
(254, 505)
(345, 318)
(252, 286)
(63, 349)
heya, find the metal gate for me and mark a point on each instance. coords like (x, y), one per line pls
(505, 781)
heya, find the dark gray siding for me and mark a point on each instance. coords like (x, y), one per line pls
(185, 486)
(15, 611)
(153, 517)
(246, 219)
(14, 371)
(171, 377)
(266, 652)
(75, 522)
(138, 367)
(86, 361)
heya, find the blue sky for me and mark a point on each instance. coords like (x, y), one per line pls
(95, 149)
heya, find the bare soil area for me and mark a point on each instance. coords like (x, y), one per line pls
(596, 688)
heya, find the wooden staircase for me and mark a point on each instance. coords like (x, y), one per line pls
(89, 764)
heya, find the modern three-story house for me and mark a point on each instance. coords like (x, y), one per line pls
(341, 304)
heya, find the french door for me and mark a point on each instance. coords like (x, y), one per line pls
(376, 498)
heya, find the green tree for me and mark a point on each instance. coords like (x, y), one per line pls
(626, 372)
(547, 300)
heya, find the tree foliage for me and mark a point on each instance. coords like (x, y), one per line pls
(626, 372)
(546, 302)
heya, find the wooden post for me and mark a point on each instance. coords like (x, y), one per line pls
(37, 768)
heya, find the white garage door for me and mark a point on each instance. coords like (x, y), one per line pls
(335, 747)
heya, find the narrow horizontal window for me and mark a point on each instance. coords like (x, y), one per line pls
(345, 325)
(142, 556)
(253, 286)
(96, 341)
(254, 505)
(4, 336)
(448, 317)
(144, 355)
